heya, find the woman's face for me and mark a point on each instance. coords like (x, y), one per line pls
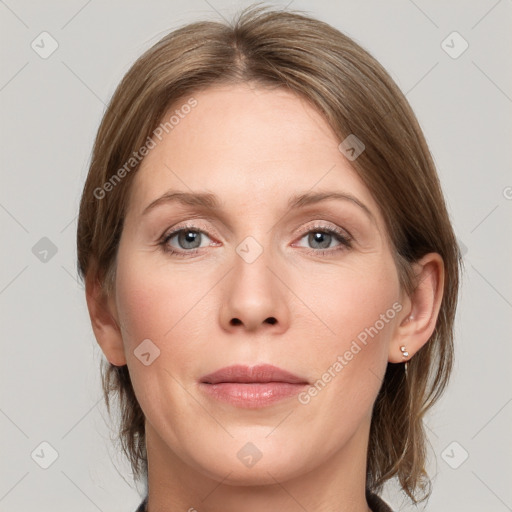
(272, 275)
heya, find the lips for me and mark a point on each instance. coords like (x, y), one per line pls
(251, 387)
(251, 375)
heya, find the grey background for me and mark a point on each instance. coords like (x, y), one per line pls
(51, 108)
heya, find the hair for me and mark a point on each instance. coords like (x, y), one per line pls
(355, 94)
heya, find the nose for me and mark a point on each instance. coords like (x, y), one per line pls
(254, 298)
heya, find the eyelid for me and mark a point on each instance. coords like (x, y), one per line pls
(330, 226)
(193, 225)
(196, 225)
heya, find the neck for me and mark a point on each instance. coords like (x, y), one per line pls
(337, 485)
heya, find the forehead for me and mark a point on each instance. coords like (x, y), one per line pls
(245, 143)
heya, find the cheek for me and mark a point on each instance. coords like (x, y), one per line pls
(155, 304)
(347, 301)
(150, 302)
(162, 303)
(358, 310)
(141, 306)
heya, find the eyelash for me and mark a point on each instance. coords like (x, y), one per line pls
(342, 237)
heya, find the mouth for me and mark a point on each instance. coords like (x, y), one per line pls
(252, 387)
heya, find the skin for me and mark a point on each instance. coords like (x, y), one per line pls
(254, 148)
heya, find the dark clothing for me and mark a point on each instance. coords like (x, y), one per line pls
(376, 503)
(142, 506)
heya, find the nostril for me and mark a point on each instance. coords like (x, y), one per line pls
(270, 320)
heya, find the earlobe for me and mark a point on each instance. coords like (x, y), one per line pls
(419, 320)
(104, 325)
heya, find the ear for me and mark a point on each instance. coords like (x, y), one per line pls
(421, 309)
(103, 319)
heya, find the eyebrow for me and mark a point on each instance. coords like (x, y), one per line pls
(211, 202)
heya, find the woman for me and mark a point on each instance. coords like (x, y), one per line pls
(270, 270)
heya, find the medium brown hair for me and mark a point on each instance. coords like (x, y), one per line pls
(357, 96)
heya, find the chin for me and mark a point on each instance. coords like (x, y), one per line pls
(248, 466)
(264, 474)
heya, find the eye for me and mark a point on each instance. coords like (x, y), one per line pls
(184, 241)
(188, 240)
(321, 238)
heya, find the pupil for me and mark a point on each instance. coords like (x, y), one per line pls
(318, 237)
(189, 238)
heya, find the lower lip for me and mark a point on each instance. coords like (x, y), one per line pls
(252, 395)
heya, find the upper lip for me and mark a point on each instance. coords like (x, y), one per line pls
(248, 374)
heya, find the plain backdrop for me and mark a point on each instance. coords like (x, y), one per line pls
(51, 106)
